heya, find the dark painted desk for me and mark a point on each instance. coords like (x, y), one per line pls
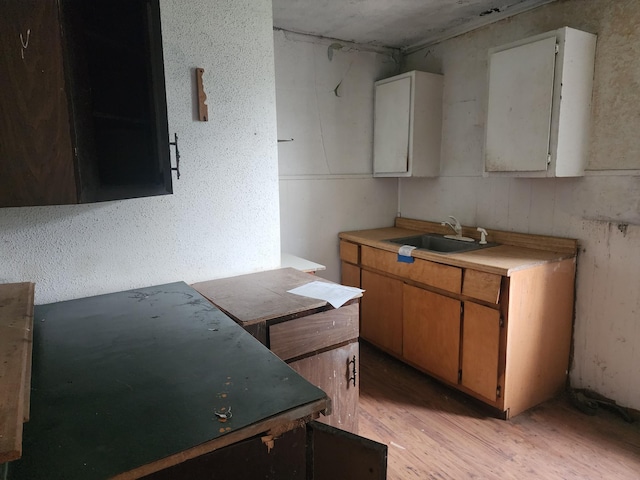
(132, 381)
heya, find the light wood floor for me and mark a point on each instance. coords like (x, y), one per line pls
(434, 432)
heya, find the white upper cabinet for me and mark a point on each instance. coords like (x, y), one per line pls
(408, 125)
(539, 105)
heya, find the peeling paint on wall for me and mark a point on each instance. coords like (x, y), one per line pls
(601, 210)
(324, 95)
(326, 104)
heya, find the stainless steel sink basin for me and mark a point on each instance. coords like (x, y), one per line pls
(439, 244)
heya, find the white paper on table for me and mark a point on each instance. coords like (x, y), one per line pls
(337, 295)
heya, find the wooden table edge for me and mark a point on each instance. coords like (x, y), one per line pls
(275, 425)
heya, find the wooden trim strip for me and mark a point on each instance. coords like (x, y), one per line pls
(290, 419)
(26, 383)
(16, 325)
(539, 242)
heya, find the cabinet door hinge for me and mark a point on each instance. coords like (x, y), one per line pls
(557, 49)
(501, 321)
(498, 391)
(459, 375)
(461, 308)
(548, 159)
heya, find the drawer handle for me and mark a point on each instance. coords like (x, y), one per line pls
(353, 371)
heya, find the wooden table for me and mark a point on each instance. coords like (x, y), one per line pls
(131, 383)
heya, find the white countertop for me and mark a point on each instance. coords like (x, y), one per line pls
(288, 260)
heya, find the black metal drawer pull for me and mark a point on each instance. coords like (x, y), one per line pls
(353, 371)
(177, 167)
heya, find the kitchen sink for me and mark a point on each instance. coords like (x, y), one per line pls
(439, 243)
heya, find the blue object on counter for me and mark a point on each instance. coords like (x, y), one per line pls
(405, 258)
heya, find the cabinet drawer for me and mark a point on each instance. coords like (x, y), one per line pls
(481, 285)
(350, 275)
(423, 271)
(349, 252)
(314, 332)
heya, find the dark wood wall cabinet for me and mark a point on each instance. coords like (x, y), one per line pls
(83, 115)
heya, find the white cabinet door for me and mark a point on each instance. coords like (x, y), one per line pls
(539, 103)
(391, 126)
(519, 108)
(408, 125)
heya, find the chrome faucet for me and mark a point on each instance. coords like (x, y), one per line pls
(457, 228)
(483, 236)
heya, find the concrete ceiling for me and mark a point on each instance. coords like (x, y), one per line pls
(403, 24)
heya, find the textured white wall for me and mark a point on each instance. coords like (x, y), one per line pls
(325, 174)
(223, 218)
(601, 210)
(313, 212)
(326, 104)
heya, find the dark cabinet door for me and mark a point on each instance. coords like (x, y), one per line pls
(322, 453)
(36, 153)
(249, 459)
(335, 454)
(115, 73)
(83, 113)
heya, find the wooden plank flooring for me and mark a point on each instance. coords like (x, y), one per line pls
(434, 432)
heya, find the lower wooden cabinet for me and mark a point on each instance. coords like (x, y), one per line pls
(336, 373)
(503, 339)
(431, 332)
(381, 311)
(459, 342)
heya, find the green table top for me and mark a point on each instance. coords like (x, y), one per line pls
(125, 379)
